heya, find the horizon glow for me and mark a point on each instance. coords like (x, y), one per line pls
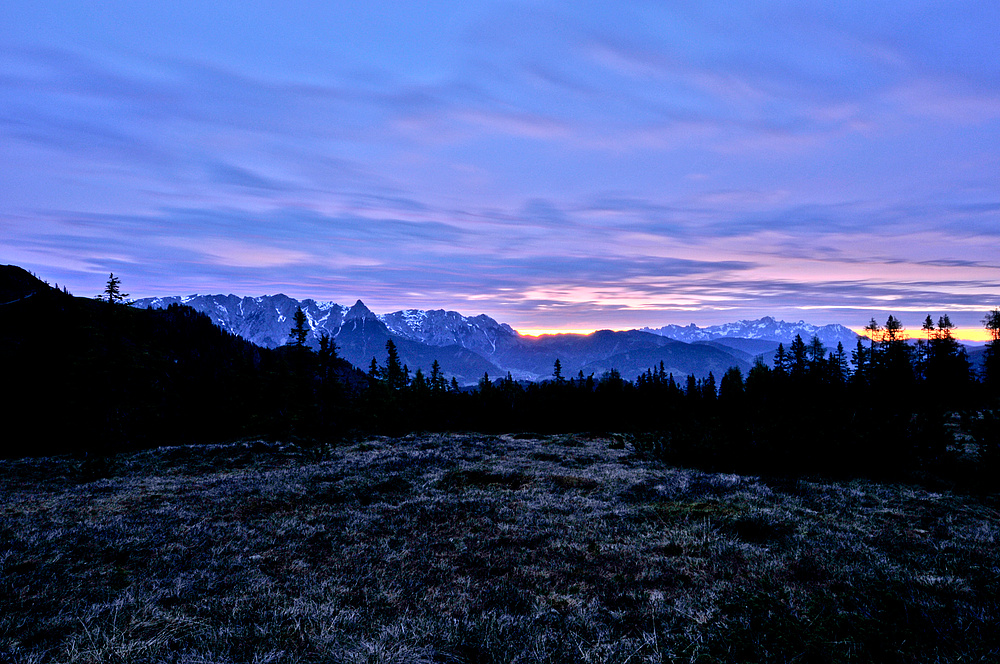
(557, 167)
(959, 333)
(548, 332)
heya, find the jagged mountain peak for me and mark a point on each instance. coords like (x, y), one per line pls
(358, 310)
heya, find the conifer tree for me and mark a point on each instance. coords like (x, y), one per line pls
(299, 331)
(327, 357)
(327, 349)
(798, 356)
(839, 368)
(894, 332)
(893, 364)
(861, 357)
(874, 332)
(708, 388)
(991, 322)
(781, 361)
(507, 383)
(437, 382)
(928, 327)
(946, 366)
(731, 386)
(816, 351)
(112, 291)
(394, 375)
(759, 381)
(923, 348)
(419, 384)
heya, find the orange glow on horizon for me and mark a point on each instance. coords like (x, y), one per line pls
(959, 333)
(537, 332)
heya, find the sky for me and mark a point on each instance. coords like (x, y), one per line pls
(554, 165)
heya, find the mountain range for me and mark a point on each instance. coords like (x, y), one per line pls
(467, 347)
(764, 329)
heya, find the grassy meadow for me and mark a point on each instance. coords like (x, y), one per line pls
(473, 548)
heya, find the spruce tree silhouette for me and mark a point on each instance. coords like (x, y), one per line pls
(299, 331)
(112, 291)
(395, 375)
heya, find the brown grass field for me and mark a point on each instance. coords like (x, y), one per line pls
(472, 548)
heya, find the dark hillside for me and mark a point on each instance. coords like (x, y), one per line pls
(86, 375)
(17, 283)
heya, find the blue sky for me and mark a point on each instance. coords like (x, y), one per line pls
(555, 165)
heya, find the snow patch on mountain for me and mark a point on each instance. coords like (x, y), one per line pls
(766, 328)
(438, 327)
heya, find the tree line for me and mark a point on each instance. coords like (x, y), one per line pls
(889, 405)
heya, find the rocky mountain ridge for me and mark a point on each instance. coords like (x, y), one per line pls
(765, 329)
(469, 346)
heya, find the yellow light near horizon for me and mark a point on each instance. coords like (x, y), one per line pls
(960, 333)
(537, 332)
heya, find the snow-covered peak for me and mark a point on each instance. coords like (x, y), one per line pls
(438, 327)
(326, 306)
(766, 328)
(411, 320)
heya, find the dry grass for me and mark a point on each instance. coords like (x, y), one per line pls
(458, 548)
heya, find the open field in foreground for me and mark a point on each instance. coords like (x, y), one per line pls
(470, 548)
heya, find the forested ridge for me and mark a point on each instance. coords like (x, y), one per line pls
(89, 376)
